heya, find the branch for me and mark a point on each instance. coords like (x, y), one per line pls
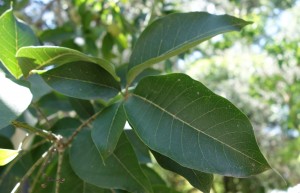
(75, 133)
(31, 170)
(42, 168)
(45, 134)
(58, 172)
(42, 114)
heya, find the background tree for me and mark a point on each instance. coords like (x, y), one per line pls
(256, 69)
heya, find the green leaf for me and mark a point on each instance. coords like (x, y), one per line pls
(163, 189)
(38, 87)
(183, 120)
(38, 57)
(83, 108)
(66, 126)
(70, 182)
(107, 46)
(200, 180)
(140, 149)
(122, 70)
(121, 169)
(14, 100)
(59, 34)
(5, 5)
(7, 131)
(83, 80)
(13, 35)
(5, 142)
(7, 155)
(17, 171)
(154, 178)
(53, 103)
(107, 129)
(176, 33)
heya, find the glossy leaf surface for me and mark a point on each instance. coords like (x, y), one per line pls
(121, 169)
(14, 100)
(13, 35)
(107, 129)
(82, 80)
(37, 57)
(38, 87)
(176, 33)
(183, 120)
(200, 180)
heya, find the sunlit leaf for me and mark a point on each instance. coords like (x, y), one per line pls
(176, 33)
(38, 87)
(7, 155)
(14, 100)
(183, 120)
(18, 170)
(38, 57)
(14, 34)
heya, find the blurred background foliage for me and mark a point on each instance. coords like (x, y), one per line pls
(257, 69)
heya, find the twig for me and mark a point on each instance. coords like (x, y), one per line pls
(30, 171)
(42, 168)
(58, 172)
(45, 134)
(42, 114)
(75, 133)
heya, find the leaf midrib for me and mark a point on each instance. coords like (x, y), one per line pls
(111, 125)
(184, 122)
(84, 81)
(193, 40)
(137, 68)
(82, 57)
(145, 188)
